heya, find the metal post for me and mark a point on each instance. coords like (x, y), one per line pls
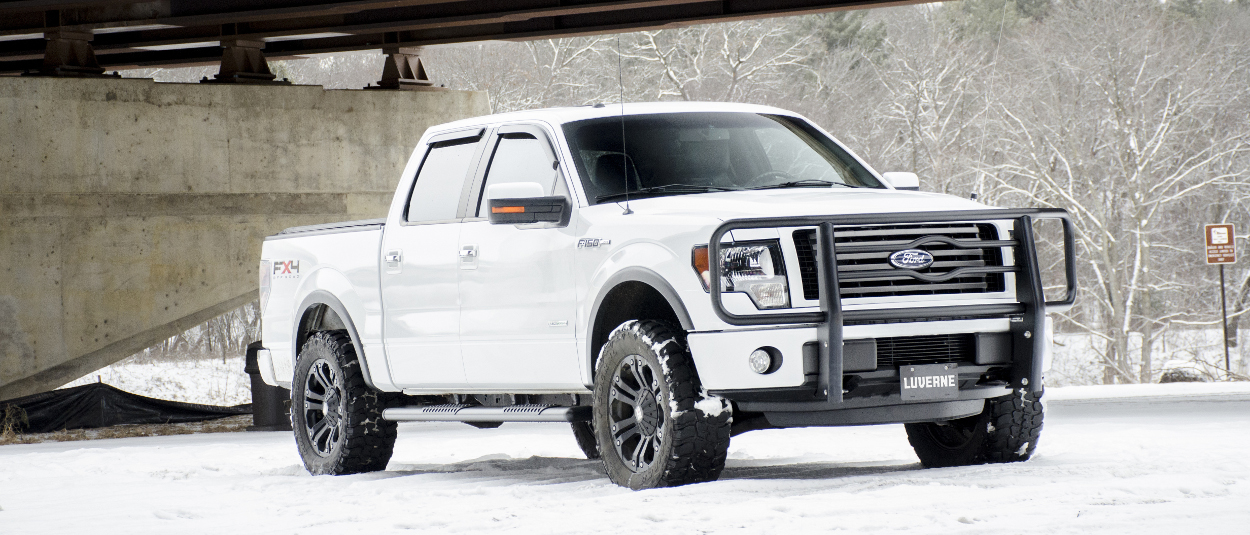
(1028, 337)
(69, 53)
(403, 70)
(830, 334)
(243, 62)
(1224, 314)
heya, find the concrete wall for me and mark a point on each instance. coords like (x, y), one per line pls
(132, 210)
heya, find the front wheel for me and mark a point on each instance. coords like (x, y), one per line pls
(1005, 432)
(337, 418)
(655, 427)
(584, 433)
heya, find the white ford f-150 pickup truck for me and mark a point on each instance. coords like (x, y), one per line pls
(662, 276)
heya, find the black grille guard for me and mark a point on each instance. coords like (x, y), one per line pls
(1027, 337)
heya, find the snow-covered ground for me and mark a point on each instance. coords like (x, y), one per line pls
(1199, 351)
(1151, 459)
(208, 381)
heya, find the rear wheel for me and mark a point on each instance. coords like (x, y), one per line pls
(655, 427)
(1006, 431)
(337, 418)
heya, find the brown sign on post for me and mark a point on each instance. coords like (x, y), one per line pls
(1220, 248)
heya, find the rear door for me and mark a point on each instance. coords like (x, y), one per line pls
(517, 291)
(420, 271)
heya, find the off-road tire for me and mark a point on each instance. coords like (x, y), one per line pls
(1007, 431)
(690, 427)
(361, 440)
(584, 432)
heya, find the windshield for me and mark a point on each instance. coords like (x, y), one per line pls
(681, 153)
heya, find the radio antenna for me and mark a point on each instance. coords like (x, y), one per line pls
(620, 78)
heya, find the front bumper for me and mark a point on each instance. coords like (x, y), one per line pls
(825, 381)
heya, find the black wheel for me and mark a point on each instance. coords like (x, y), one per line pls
(584, 432)
(1005, 432)
(655, 428)
(337, 418)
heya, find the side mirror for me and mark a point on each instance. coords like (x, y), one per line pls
(519, 211)
(518, 203)
(903, 181)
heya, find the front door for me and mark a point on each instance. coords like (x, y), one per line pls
(517, 296)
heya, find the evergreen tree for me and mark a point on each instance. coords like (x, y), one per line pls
(843, 32)
(993, 18)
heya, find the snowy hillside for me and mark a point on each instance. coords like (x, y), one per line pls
(210, 381)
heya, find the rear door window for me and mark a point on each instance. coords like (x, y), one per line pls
(437, 193)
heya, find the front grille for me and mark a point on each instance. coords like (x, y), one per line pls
(939, 349)
(947, 258)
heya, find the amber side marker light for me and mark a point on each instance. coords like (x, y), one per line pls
(507, 210)
(700, 261)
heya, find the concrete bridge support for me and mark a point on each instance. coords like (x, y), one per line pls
(132, 210)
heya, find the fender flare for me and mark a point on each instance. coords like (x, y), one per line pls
(322, 297)
(644, 276)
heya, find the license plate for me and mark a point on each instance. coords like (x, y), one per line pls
(929, 381)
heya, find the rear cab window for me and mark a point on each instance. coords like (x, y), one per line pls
(442, 179)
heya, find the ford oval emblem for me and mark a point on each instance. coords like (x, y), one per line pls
(911, 259)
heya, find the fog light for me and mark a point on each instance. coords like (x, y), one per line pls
(761, 361)
(770, 295)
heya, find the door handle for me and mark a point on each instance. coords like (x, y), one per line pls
(394, 261)
(468, 257)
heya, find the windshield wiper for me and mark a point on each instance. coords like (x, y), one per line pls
(670, 188)
(805, 183)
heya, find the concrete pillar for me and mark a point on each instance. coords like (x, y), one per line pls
(132, 210)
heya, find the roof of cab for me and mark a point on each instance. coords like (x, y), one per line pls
(558, 116)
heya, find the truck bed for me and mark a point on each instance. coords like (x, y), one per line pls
(330, 228)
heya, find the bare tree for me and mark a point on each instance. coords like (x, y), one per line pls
(735, 62)
(1125, 128)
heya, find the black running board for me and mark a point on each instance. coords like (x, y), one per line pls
(474, 413)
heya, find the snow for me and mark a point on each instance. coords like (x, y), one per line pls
(1150, 459)
(1077, 357)
(1174, 391)
(209, 381)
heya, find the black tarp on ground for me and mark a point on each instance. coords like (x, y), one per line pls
(101, 405)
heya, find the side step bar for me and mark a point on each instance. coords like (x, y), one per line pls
(474, 413)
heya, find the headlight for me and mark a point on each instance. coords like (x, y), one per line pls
(755, 269)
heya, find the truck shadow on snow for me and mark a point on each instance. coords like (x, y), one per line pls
(555, 470)
(815, 470)
(534, 470)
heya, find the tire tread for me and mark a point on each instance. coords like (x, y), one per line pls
(1007, 431)
(700, 442)
(369, 440)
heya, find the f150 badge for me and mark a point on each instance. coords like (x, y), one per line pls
(911, 259)
(590, 243)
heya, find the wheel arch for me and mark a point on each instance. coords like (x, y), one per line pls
(322, 311)
(633, 293)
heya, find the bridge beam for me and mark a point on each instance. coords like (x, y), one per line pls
(132, 210)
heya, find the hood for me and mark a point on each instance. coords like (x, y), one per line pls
(799, 202)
